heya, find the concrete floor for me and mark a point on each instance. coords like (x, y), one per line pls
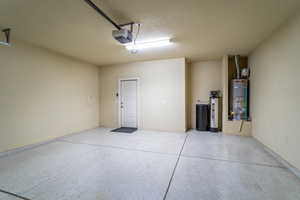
(147, 165)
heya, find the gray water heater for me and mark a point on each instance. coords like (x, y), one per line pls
(239, 106)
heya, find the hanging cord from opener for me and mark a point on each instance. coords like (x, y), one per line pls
(134, 51)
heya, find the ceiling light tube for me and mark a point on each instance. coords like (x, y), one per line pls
(149, 44)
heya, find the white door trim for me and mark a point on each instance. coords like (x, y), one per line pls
(137, 79)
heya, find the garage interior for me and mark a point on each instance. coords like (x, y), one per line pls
(149, 100)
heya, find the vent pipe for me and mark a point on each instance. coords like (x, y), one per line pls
(7, 37)
(237, 65)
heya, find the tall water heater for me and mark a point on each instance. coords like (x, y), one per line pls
(239, 106)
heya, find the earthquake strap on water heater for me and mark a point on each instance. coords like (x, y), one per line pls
(241, 125)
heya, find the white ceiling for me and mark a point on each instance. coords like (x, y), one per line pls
(201, 29)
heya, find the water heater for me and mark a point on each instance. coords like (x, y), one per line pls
(239, 106)
(215, 111)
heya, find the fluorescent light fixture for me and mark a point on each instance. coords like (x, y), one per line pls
(149, 44)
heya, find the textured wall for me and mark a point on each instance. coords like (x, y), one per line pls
(275, 91)
(162, 93)
(44, 95)
(204, 77)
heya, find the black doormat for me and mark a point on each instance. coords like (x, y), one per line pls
(124, 130)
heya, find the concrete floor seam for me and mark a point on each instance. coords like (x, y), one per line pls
(23, 149)
(234, 161)
(34, 146)
(14, 195)
(176, 164)
(122, 148)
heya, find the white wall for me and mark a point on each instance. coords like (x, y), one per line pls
(162, 93)
(44, 95)
(275, 93)
(204, 77)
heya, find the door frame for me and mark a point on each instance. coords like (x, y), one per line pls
(137, 79)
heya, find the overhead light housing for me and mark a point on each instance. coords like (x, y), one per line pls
(124, 36)
(149, 44)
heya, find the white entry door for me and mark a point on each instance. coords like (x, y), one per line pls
(128, 103)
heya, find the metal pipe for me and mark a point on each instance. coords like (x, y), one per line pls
(102, 13)
(4, 43)
(237, 65)
(128, 24)
(7, 37)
